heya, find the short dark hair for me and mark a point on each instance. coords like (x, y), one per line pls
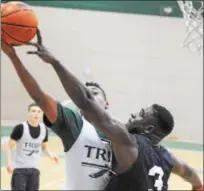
(31, 105)
(166, 120)
(98, 86)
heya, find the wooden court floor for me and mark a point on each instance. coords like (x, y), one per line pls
(52, 175)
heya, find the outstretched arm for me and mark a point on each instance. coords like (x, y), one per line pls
(47, 103)
(97, 115)
(123, 143)
(83, 98)
(181, 169)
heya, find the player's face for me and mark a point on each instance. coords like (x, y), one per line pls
(35, 114)
(99, 97)
(139, 122)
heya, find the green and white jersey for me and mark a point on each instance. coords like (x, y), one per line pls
(88, 155)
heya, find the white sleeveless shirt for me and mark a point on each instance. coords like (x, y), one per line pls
(28, 149)
(87, 161)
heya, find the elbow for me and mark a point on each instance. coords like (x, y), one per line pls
(39, 99)
(37, 94)
(44, 149)
(43, 146)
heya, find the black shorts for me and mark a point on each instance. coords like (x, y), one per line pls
(25, 179)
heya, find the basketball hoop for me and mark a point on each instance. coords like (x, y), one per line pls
(193, 16)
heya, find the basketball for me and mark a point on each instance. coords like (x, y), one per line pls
(18, 23)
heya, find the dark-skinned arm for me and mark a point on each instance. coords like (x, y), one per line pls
(83, 98)
(123, 143)
(181, 169)
(47, 103)
(97, 115)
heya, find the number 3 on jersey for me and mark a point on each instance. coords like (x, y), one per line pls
(159, 182)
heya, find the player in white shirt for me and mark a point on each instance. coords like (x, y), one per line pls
(30, 138)
(88, 154)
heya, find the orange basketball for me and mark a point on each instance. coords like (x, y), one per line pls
(18, 23)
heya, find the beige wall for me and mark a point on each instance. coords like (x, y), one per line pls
(137, 59)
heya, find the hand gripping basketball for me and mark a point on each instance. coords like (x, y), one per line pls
(42, 52)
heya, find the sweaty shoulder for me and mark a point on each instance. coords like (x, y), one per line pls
(67, 126)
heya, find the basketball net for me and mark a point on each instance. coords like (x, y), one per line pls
(193, 16)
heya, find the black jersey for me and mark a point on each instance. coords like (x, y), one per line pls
(150, 172)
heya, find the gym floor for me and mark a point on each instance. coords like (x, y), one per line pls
(54, 180)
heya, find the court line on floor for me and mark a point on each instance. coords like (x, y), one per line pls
(183, 150)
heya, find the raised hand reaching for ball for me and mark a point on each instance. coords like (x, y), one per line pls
(42, 52)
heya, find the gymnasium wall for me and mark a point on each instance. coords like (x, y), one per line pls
(136, 58)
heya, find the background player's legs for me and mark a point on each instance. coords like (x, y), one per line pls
(19, 179)
(33, 179)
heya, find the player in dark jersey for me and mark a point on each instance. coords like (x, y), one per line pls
(154, 163)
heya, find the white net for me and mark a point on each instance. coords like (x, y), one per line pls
(193, 16)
